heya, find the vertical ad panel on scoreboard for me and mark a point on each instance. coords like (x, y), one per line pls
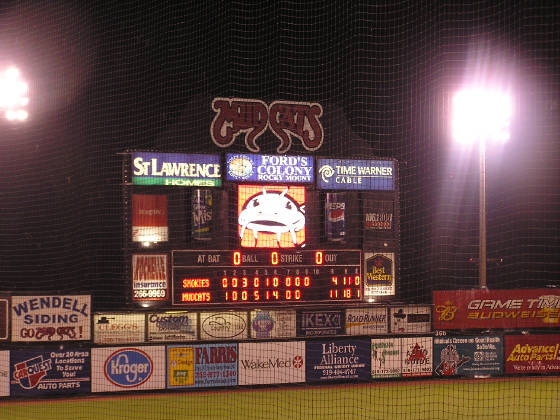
(203, 365)
(379, 274)
(47, 372)
(337, 359)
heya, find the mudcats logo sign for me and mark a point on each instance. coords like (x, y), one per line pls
(252, 116)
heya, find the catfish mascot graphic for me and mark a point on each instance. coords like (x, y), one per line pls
(272, 212)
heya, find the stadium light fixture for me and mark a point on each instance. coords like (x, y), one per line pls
(479, 116)
(13, 95)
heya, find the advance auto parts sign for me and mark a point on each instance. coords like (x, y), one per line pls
(500, 309)
(530, 354)
(51, 318)
(271, 363)
(127, 368)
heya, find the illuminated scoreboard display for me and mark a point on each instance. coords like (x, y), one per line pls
(260, 277)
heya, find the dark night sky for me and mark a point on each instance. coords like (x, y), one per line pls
(107, 77)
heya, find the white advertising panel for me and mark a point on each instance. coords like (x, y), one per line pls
(417, 356)
(366, 321)
(127, 368)
(385, 357)
(379, 274)
(230, 325)
(51, 318)
(4, 373)
(273, 324)
(415, 319)
(172, 326)
(271, 363)
(118, 328)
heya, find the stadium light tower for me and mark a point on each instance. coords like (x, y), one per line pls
(13, 95)
(481, 115)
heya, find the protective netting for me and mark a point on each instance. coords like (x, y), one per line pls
(111, 79)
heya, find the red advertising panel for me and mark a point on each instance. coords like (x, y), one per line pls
(465, 309)
(530, 354)
(149, 218)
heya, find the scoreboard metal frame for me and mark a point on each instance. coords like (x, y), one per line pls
(260, 277)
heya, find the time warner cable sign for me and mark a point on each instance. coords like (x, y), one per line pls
(176, 169)
(269, 168)
(349, 174)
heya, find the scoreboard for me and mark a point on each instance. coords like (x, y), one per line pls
(264, 277)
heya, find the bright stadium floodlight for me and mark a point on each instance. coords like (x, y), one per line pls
(479, 116)
(13, 95)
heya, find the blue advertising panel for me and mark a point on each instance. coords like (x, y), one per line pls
(350, 174)
(176, 169)
(269, 168)
(47, 372)
(320, 323)
(468, 355)
(337, 359)
(204, 365)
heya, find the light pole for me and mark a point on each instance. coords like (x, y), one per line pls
(480, 115)
(13, 95)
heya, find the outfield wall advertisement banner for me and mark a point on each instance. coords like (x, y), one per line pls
(271, 363)
(468, 355)
(417, 356)
(49, 372)
(320, 323)
(119, 328)
(171, 326)
(366, 321)
(273, 324)
(386, 358)
(337, 359)
(202, 365)
(127, 368)
(411, 319)
(231, 325)
(496, 309)
(530, 354)
(5, 307)
(51, 318)
(4, 373)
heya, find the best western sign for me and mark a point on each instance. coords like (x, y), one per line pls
(176, 169)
